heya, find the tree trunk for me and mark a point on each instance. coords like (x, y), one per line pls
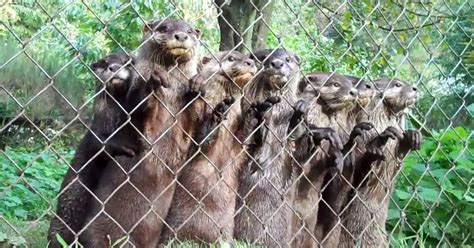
(241, 24)
(260, 31)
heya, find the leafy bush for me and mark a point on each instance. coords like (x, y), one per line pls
(433, 198)
(30, 181)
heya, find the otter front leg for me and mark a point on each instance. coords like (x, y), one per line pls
(411, 141)
(297, 128)
(208, 129)
(254, 119)
(196, 88)
(374, 152)
(138, 94)
(358, 130)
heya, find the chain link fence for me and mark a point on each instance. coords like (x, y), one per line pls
(321, 142)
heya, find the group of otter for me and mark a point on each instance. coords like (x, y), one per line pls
(232, 147)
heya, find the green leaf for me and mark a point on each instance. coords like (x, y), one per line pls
(61, 241)
(402, 194)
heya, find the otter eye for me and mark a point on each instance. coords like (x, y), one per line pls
(164, 29)
(398, 85)
(337, 85)
(190, 31)
(288, 59)
(231, 59)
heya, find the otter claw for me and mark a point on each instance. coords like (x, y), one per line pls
(360, 128)
(158, 79)
(221, 108)
(273, 100)
(196, 84)
(412, 139)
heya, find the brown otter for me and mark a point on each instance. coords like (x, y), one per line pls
(337, 186)
(263, 203)
(330, 98)
(107, 132)
(365, 214)
(204, 201)
(136, 193)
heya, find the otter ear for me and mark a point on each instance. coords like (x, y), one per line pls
(198, 32)
(150, 26)
(297, 58)
(206, 59)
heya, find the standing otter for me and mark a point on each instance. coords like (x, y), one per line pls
(263, 203)
(137, 193)
(331, 97)
(364, 217)
(106, 137)
(210, 177)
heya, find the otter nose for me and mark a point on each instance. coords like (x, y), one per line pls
(114, 67)
(414, 88)
(276, 64)
(353, 92)
(249, 62)
(181, 37)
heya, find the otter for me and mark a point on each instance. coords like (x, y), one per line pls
(264, 198)
(330, 97)
(136, 193)
(106, 138)
(337, 186)
(365, 214)
(210, 176)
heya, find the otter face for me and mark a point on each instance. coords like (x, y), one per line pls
(175, 37)
(279, 66)
(365, 89)
(311, 83)
(397, 95)
(336, 91)
(230, 64)
(115, 70)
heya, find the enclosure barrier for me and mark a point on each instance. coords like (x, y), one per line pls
(48, 89)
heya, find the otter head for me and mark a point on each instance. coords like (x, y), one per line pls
(310, 84)
(335, 91)
(232, 65)
(364, 88)
(115, 70)
(175, 39)
(279, 66)
(396, 94)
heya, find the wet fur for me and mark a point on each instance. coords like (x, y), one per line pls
(88, 164)
(263, 207)
(365, 215)
(141, 212)
(328, 107)
(210, 177)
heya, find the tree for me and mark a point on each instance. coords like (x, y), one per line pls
(243, 24)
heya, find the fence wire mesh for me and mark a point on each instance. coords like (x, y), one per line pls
(244, 123)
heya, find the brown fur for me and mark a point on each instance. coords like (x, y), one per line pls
(210, 177)
(263, 206)
(89, 161)
(365, 215)
(329, 104)
(138, 201)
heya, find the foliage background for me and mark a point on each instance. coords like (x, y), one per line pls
(46, 48)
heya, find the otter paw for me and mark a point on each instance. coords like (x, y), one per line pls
(222, 107)
(392, 133)
(375, 152)
(360, 128)
(273, 100)
(196, 84)
(158, 79)
(412, 139)
(327, 133)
